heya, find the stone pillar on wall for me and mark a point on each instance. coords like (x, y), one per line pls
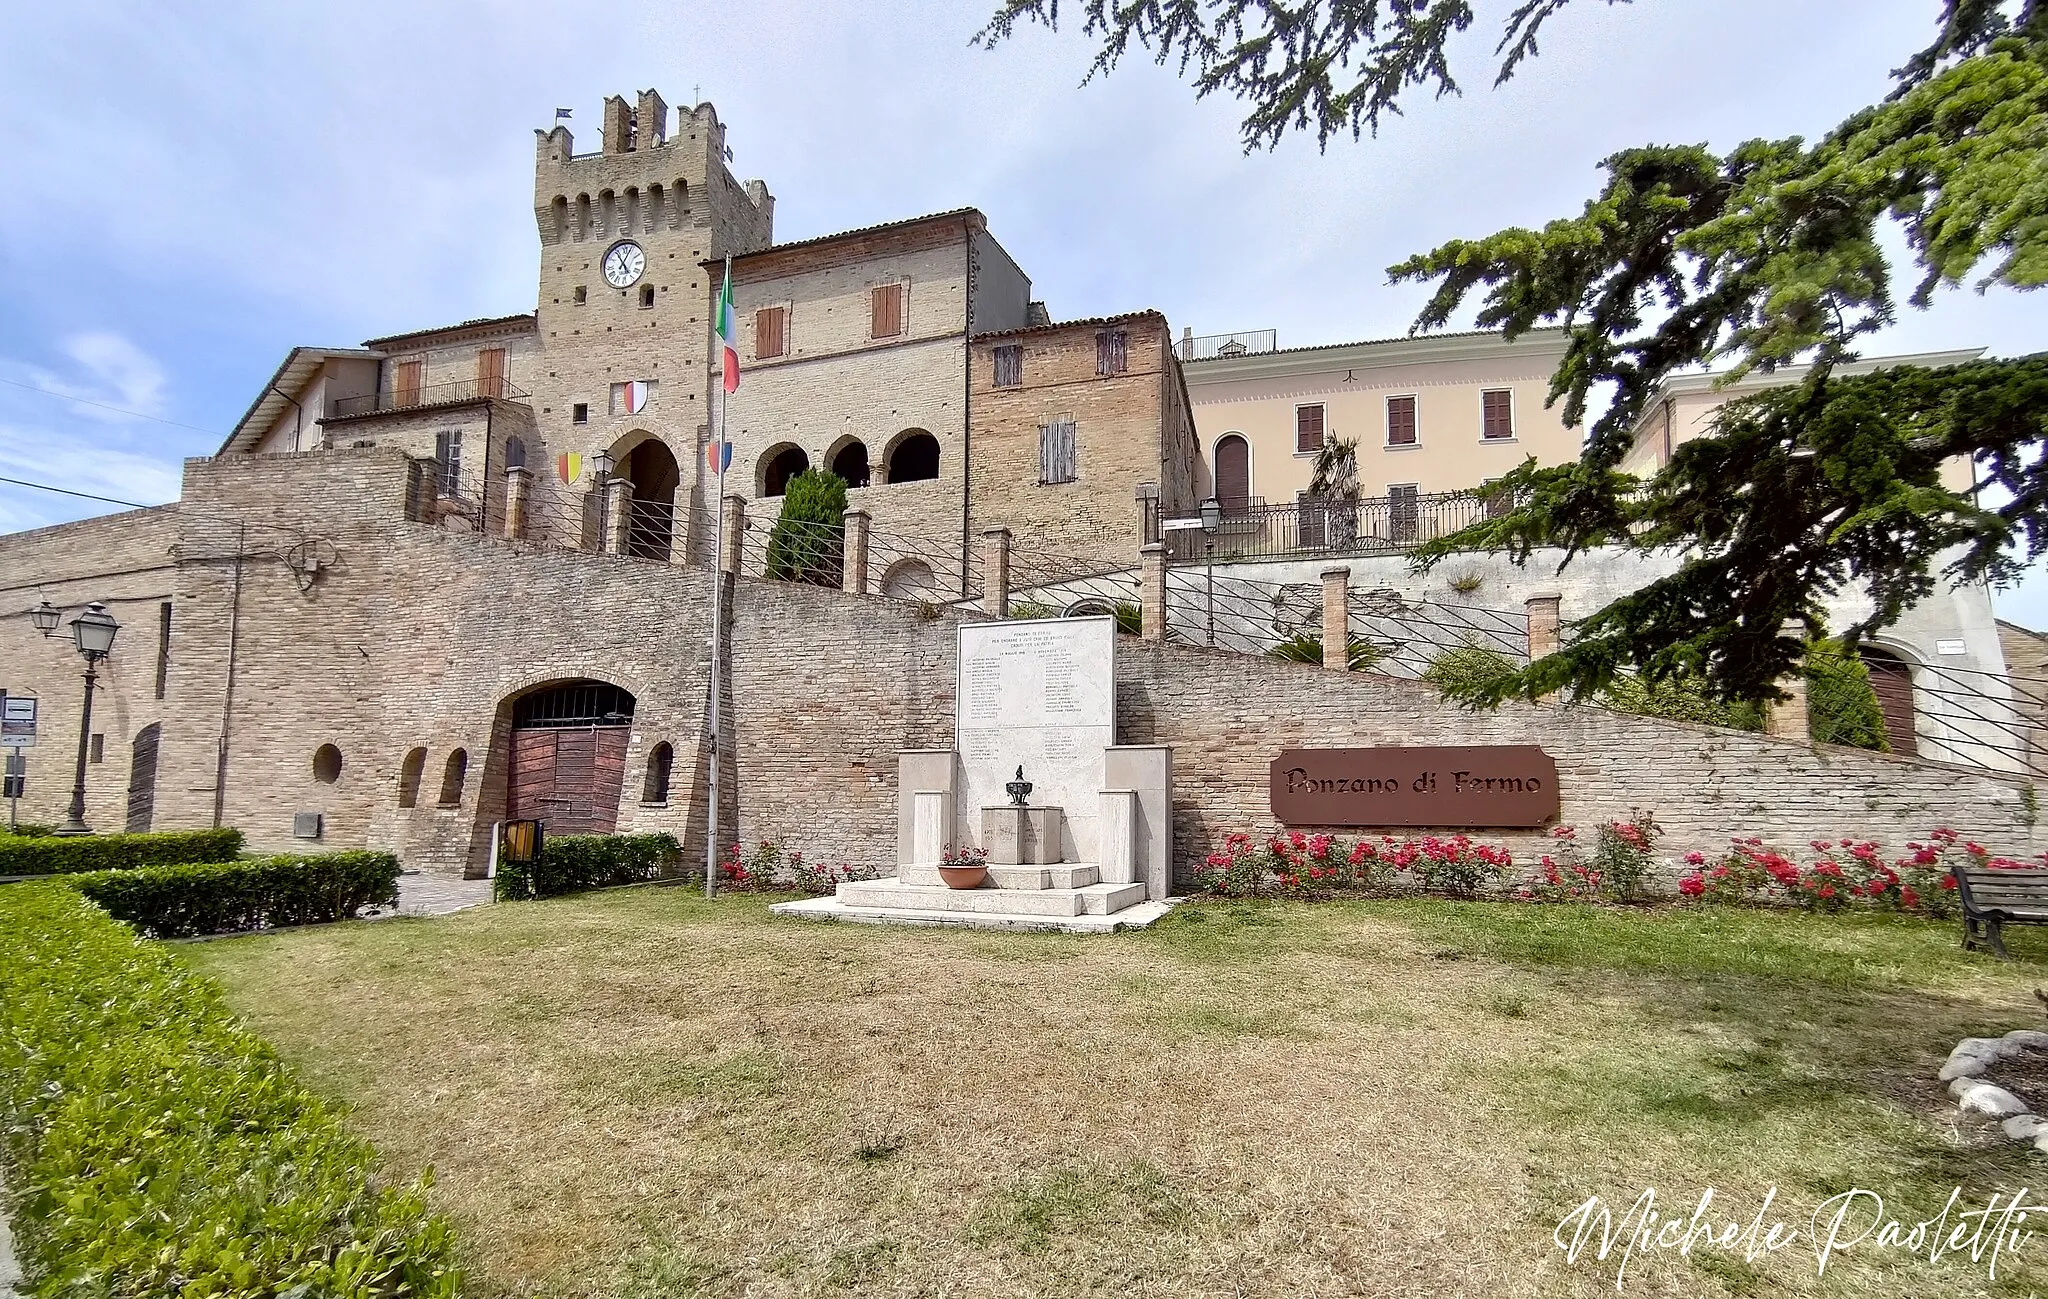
(1152, 590)
(853, 568)
(618, 513)
(995, 572)
(734, 526)
(1337, 619)
(1787, 718)
(1543, 624)
(518, 491)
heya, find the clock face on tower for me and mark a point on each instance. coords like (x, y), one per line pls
(624, 264)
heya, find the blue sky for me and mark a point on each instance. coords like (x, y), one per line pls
(191, 190)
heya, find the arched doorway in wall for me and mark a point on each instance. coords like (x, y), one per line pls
(652, 468)
(569, 756)
(913, 457)
(781, 464)
(850, 461)
(1892, 678)
(142, 777)
(1233, 473)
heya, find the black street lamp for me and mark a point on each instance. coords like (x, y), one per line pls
(1212, 519)
(44, 616)
(93, 633)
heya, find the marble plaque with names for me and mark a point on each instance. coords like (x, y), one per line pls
(1038, 693)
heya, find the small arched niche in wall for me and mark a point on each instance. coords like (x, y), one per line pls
(327, 764)
(452, 776)
(409, 774)
(660, 762)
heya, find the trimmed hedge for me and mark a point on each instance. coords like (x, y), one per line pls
(574, 863)
(229, 897)
(154, 1147)
(21, 855)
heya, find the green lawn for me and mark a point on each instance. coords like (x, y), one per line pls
(644, 1094)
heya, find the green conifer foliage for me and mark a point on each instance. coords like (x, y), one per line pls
(806, 542)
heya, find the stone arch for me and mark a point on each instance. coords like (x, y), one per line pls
(848, 457)
(1231, 472)
(582, 217)
(679, 204)
(629, 210)
(454, 774)
(910, 579)
(565, 756)
(647, 462)
(1891, 678)
(660, 767)
(655, 213)
(779, 464)
(911, 456)
(558, 211)
(607, 212)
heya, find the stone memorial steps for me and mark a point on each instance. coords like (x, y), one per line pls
(1133, 915)
(1043, 877)
(1047, 900)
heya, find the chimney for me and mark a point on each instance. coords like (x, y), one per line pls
(1187, 343)
(651, 122)
(618, 125)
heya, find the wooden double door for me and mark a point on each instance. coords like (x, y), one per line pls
(569, 777)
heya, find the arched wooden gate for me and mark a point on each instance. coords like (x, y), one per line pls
(569, 756)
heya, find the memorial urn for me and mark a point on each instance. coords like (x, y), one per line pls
(964, 866)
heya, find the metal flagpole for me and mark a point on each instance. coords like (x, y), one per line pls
(718, 449)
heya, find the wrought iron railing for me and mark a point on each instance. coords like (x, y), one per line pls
(432, 394)
(1249, 529)
(1245, 342)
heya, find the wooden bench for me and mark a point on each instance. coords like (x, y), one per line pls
(1993, 899)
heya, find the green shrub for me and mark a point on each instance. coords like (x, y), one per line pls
(157, 1148)
(573, 863)
(1841, 705)
(27, 830)
(1307, 647)
(1464, 666)
(230, 897)
(1680, 699)
(20, 855)
(806, 541)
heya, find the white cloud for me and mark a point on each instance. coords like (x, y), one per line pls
(40, 454)
(107, 371)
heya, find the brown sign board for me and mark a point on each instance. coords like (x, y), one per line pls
(1508, 785)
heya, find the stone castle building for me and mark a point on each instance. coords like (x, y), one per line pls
(462, 574)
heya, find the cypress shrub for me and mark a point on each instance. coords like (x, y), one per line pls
(576, 863)
(1841, 704)
(155, 1147)
(22, 855)
(230, 897)
(806, 542)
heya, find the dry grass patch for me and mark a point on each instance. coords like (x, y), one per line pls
(644, 1094)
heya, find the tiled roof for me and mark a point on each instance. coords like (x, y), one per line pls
(955, 215)
(482, 322)
(1146, 313)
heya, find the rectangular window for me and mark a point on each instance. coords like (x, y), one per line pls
(1497, 407)
(99, 748)
(448, 453)
(580, 295)
(1308, 428)
(1056, 457)
(768, 332)
(1403, 511)
(1400, 421)
(1010, 366)
(885, 311)
(163, 646)
(580, 413)
(490, 372)
(1112, 352)
(1310, 514)
(405, 384)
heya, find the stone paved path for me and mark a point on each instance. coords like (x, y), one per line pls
(436, 895)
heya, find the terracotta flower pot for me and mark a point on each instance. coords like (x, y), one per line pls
(963, 877)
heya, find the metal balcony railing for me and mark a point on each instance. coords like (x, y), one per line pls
(1204, 347)
(424, 395)
(1250, 528)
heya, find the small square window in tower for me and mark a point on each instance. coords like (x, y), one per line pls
(1009, 366)
(1056, 452)
(580, 294)
(1308, 428)
(1497, 418)
(769, 333)
(580, 413)
(448, 455)
(1112, 352)
(885, 311)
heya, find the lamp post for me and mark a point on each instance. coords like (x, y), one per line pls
(44, 616)
(1212, 519)
(92, 632)
(601, 477)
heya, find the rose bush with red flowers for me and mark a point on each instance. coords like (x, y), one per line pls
(1842, 874)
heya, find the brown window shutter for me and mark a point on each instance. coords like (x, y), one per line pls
(1400, 421)
(490, 372)
(886, 311)
(405, 384)
(768, 341)
(1234, 474)
(1308, 428)
(1498, 413)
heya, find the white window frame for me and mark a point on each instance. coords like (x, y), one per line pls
(1387, 443)
(1295, 434)
(1514, 426)
(1251, 461)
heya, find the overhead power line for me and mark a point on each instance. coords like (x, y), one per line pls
(118, 410)
(66, 491)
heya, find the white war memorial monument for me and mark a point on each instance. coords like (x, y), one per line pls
(1077, 829)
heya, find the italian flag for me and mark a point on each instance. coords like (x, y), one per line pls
(728, 333)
